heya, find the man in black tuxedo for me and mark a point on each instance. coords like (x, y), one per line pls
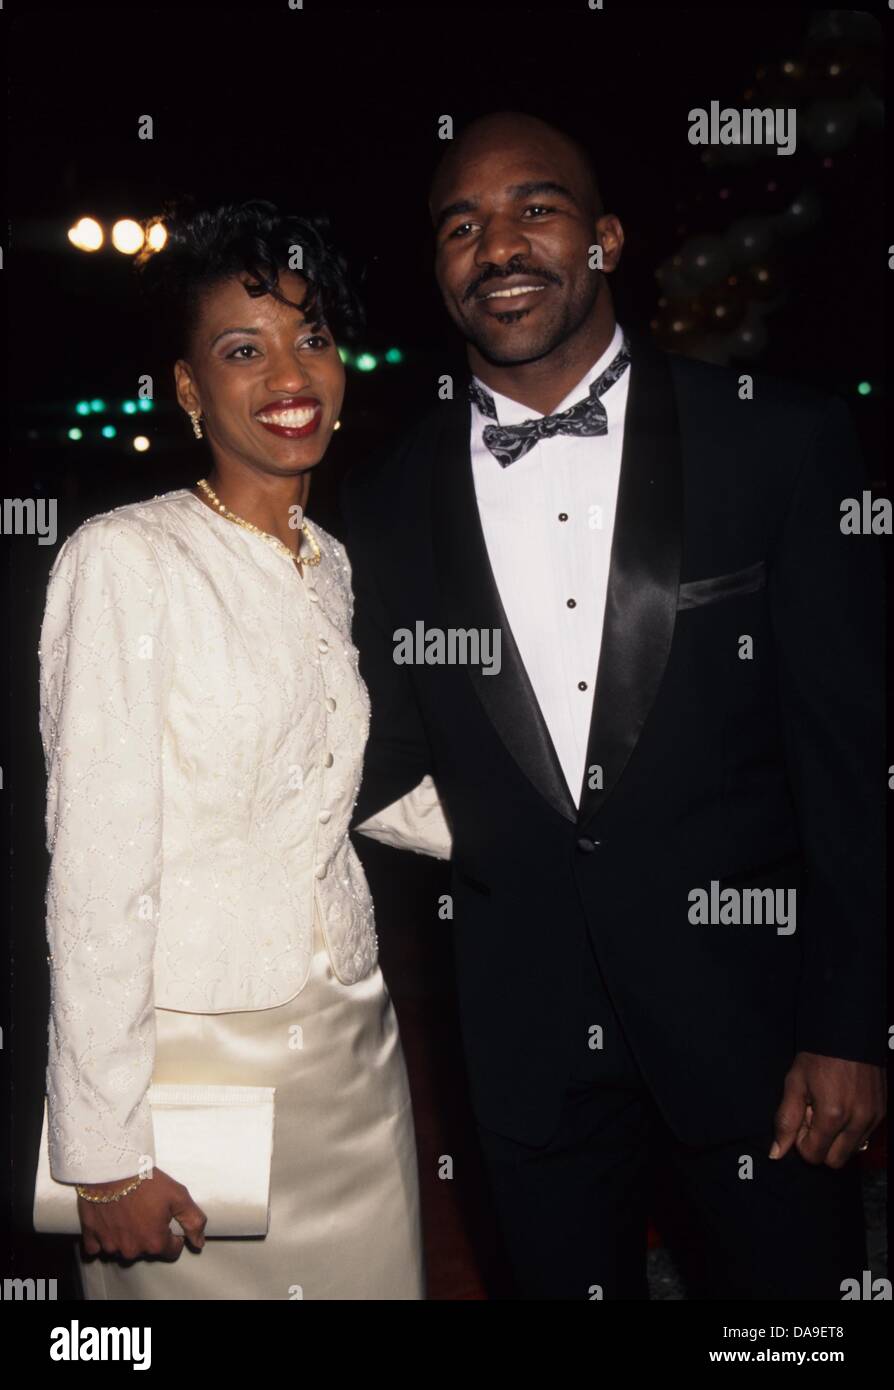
(624, 1000)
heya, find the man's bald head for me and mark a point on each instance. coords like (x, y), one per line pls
(517, 219)
(516, 130)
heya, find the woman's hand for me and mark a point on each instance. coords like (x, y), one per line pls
(139, 1224)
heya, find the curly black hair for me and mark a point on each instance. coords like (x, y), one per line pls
(252, 240)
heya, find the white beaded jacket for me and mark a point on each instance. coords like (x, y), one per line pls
(203, 722)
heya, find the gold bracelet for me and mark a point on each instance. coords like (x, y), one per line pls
(112, 1197)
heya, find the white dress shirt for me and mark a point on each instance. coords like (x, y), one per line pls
(548, 520)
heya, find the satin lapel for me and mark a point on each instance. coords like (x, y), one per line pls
(644, 577)
(472, 600)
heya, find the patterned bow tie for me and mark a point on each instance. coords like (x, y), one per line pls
(510, 442)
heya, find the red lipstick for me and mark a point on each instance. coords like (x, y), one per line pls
(292, 418)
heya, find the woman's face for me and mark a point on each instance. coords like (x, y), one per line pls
(269, 388)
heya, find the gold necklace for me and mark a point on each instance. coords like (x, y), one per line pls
(299, 560)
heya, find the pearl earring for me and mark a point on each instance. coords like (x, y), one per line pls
(196, 423)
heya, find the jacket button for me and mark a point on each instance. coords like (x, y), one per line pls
(587, 846)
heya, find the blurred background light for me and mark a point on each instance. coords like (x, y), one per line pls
(156, 235)
(86, 234)
(127, 236)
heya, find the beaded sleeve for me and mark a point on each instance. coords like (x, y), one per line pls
(104, 675)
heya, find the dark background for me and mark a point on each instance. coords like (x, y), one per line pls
(335, 110)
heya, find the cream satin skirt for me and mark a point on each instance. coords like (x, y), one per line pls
(344, 1197)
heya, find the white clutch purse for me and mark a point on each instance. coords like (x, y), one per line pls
(216, 1140)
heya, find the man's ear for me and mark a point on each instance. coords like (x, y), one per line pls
(610, 235)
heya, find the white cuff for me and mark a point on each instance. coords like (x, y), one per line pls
(415, 822)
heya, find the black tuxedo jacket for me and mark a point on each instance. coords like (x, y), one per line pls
(764, 772)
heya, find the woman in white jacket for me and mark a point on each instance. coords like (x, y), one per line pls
(204, 722)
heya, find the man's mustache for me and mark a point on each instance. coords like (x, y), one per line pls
(510, 270)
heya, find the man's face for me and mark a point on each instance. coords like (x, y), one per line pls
(513, 229)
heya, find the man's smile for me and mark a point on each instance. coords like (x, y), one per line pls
(514, 292)
(509, 299)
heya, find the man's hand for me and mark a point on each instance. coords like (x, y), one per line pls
(829, 1108)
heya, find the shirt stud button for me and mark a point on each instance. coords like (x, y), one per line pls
(582, 685)
(563, 516)
(571, 603)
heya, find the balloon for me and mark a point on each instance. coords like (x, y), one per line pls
(803, 212)
(829, 125)
(670, 278)
(750, 337)
(674, 332)
(870, 108)
(762, 281)
(725, 307)
(705, 260)
(748, 239)
(855, 25)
